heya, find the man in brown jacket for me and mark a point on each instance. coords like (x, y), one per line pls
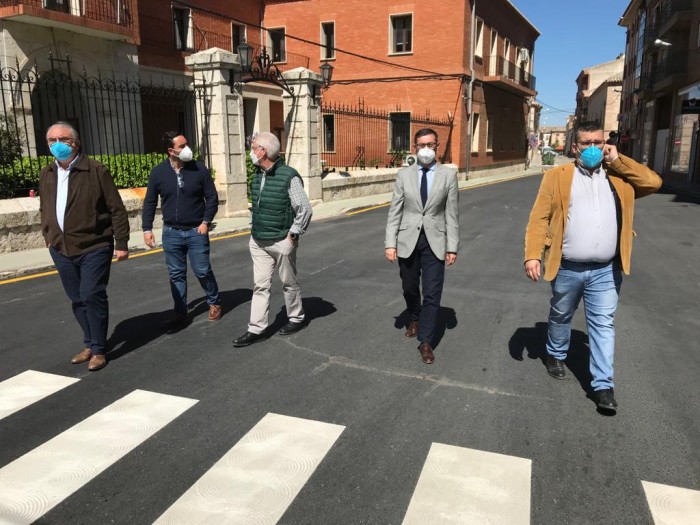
(84, 222)
(581, 227)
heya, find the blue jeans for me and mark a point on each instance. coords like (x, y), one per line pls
(599, 285)
(177, 244)
(85, 279)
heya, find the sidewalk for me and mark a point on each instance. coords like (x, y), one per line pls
(28, 262)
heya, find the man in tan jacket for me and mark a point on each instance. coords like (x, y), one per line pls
(581, 227)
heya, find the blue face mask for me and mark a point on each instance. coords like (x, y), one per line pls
(591, 157)
(61, 151)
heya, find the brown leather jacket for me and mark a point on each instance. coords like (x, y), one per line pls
(545, 229)
(95, 215)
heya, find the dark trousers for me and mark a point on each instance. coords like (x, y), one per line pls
(85, 279)
(423, 263)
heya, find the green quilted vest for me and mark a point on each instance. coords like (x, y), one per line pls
(272, 210)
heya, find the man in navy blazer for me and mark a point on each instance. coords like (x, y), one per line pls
(422, 232)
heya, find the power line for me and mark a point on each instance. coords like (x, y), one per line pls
(317, 44)
(567, 111)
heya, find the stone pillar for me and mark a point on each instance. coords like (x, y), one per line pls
(302, 124)
(220, 114)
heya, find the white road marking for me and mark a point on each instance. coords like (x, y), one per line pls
(672, 505)
(29, 387)
(33, 484)
(255, 481)
(462, 485)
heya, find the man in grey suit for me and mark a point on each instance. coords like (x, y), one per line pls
(422, 232)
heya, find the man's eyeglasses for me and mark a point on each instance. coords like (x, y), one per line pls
(431, 145)
(586, 143)
(180, 181)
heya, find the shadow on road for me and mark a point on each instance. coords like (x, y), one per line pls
(690, 197)
(533, 340)
(314, 308)
(135, 332)
(447, 319)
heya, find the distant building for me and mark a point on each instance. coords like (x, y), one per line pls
(553, 136)
(604, 104)
(661, 87)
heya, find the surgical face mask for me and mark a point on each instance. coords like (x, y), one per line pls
(426, 156)
(186, 154)
(61, 151)
(254, 158)
(591, 157)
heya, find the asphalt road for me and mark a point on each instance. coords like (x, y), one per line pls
(487, 391)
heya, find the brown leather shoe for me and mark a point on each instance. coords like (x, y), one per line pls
(412, 329)
(214, 312)
(426, 353)
(97, 361)
(82, 357)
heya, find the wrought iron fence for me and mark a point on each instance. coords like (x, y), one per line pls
(354, 136)
(119, 120)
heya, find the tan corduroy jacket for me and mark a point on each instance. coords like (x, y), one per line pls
(545, 229)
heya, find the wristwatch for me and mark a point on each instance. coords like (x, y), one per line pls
(294, 236)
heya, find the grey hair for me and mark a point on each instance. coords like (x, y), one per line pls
(64, 124)
(270, 142)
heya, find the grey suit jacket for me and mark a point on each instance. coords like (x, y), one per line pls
(439, 218)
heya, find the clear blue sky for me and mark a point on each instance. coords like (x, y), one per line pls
(574, 35)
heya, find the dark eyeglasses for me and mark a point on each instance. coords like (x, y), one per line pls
(180, 181)
(586, 143)
(431, 145)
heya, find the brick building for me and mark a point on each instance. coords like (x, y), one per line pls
(407, 60)
(661, 88)
(415, 59)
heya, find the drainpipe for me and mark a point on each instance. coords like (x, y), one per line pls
(470, 91)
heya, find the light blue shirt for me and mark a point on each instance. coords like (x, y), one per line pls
(62, 190)
(430, 175)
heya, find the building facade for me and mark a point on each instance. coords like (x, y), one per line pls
(116, 70)
(661, 88)
(594, 88)
(416, 59)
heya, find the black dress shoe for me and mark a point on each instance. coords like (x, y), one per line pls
(291, 328)
(555, 367)
(247, 338)
(605, 399)
(175, 322)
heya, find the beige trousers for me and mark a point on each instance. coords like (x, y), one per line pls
(266, 255)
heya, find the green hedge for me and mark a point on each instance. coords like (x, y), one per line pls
(128, 171)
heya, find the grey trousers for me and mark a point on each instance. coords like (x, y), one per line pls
(266, 256)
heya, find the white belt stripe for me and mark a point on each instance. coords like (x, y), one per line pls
(672, 505)
(29, 387)
(255, 481)
(33, 484)
(461, 485)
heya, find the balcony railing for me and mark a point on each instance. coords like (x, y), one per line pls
(495, 65)
(675, 64)
(669, 8)
(117, 12)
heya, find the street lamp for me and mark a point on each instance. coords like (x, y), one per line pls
(245, 53)
(662, 43)
(326, 74)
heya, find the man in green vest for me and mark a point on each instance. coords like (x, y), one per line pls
(281, 213)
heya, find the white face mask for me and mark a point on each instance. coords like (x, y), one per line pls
(186, 154)
(254, 158)
(426, 156)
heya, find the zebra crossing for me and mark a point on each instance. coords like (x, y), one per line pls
(261, 475)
